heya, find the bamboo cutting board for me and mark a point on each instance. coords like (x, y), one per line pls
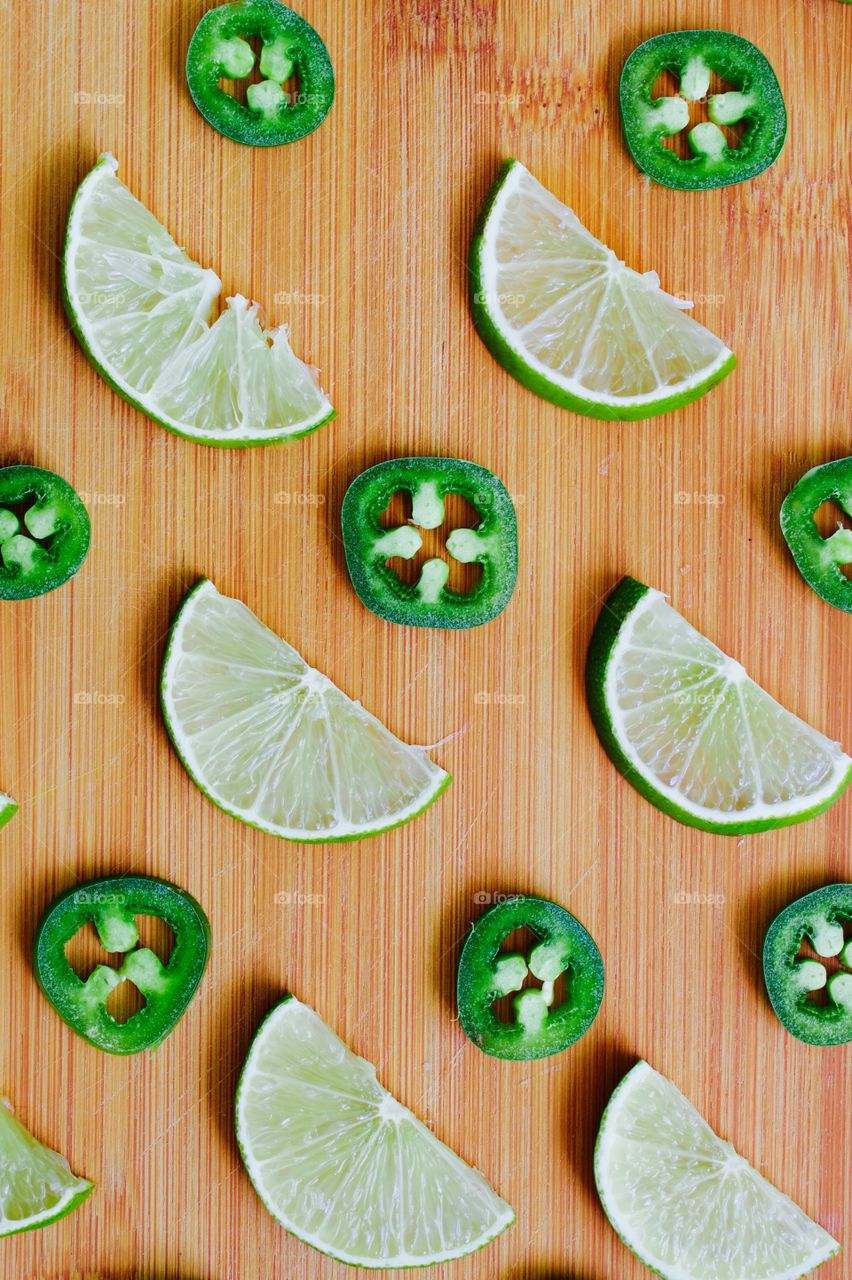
(357, 237)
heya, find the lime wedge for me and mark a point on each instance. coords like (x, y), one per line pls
(574, 324)
(141, 309)
(8, 808)
(36, 1185)
(343, 1165)
(689, 729)
(272, 741)
(685, 1203)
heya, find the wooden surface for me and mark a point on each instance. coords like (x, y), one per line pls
(360, 232)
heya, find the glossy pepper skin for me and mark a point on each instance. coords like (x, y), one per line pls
(819, 919)
(369, 545)
(755, 99)
(819, 559)
(219, 50)
(487, 974)
(44, 532)
(111, 904)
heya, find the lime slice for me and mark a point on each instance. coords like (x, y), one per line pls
(272, 741)
(36, 1185)
(141, 308)
(689, 729)
(685, 1203)
(8, 808)
(573, 323)
(343, 1165)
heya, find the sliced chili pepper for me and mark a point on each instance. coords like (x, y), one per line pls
(487, 974)
(755, 100)
(818, 559)
(819, 918)
(112, 905)
(219, 50)
(370, 547)
(44, 532)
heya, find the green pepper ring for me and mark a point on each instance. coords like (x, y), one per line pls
(736, 60)
(59, 553)
(813, 554)
(381, 589)
(279, 122)
(476, 994)
(821, 1025)
(104, 898)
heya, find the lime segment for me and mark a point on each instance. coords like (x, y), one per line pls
(689, 729)
(343, 1165)
(272, 741)
(36, 1185)
(685, 1203)
(8, 808)
(567, 318)
(141, 309)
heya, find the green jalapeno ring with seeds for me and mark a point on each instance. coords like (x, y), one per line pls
(756, 101)
(220, 49)
(44, 532)
(820, 560)
(819, 918)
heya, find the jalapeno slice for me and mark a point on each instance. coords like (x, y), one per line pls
(112, 905)
(818, 559)
(819, 919)
(44, 532)
(371, 548)
(219, 50)
(755, 100)
(487, 974)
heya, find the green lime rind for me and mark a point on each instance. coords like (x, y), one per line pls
(302, 837)
(820, 1025)
(63, 1210)
(531, 378)
(627, 1082)
(219, 442)
(288, 1226)
(8, 809)
(584, 975)
(615, 612)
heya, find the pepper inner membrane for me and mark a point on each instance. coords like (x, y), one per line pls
(828, 518)
(18, 510)
(668, 86)
(522, 942)
(831, 964)
(238, 87)
(458, 514)
(84, 952)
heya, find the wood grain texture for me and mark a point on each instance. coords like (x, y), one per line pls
(360, 232)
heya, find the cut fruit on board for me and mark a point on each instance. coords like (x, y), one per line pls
(688, 728)
(570, 321)
(274, 742)
(685, 1203)
(8, 808)
(36, 1185)
(345, 1167)
(141, 309)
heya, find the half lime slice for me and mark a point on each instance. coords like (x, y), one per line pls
(685, 1203)
(689, 729)
(570, 321)
(141, 309)
(343, 1165)
(272, 741)
(36, 1185)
